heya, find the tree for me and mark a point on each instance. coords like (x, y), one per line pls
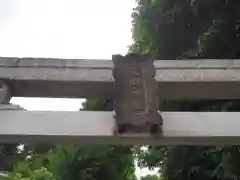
(190, 29)
(8, 154)
(150, 177)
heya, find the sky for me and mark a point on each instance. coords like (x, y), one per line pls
(64, 29)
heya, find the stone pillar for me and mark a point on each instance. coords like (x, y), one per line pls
(5, 94)
(5, 97)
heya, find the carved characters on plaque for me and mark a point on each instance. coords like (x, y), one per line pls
(135, 98)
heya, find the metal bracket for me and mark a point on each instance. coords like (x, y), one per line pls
(136, 98)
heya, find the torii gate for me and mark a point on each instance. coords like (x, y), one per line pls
(78, 78)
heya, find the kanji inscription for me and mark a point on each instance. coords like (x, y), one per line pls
(136, 99)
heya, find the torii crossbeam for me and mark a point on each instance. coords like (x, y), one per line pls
(179, 128)
(176, 79)
(78, 78)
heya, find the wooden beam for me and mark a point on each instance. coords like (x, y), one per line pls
(180, 128)
(72, 78)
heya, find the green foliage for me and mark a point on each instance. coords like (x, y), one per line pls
(37, 174)
(190, 29)
(97, 105)
(8, 154)
(78, 162)
(150, 177)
